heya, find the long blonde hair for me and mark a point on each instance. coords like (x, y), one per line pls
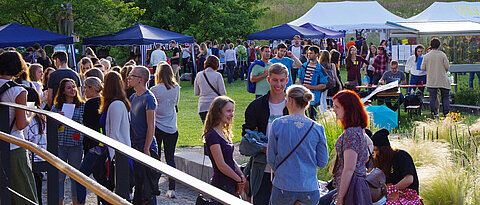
(214, 117)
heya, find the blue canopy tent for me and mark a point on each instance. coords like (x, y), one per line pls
(284, 32)
(328, 33)
(138, 35)
(15, 35)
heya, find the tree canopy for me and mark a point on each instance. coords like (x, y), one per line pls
(202, 19)
(91, 17)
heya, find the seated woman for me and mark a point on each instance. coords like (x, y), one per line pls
(398, 166)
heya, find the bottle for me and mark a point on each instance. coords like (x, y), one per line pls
(450, 77)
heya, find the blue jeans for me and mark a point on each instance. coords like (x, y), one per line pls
(417, 80)
(290, 197)
(471, 77)
(230, 70)
(87, 166)
(73, 156)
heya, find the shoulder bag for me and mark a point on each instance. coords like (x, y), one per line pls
(209, 84)
(376, 181)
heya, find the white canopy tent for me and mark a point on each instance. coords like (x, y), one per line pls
(449, 11)
(356, 15)
(434, 28)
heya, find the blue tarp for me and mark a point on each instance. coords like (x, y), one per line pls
(15, 35)
(137, 34)
(285, 32)
(328, 33)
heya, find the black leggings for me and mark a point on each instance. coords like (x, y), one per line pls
(169, 144)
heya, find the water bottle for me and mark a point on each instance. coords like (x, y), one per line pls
(450, 77)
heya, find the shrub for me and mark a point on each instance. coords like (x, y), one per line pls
(467, 96)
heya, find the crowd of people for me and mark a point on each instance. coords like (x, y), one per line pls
(291, 81)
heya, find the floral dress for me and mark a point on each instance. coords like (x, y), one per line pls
(352, 138)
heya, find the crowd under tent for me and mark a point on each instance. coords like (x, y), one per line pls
(138, 35)
(286, 32)
(16, 35)
(449, 11)
(371, 16)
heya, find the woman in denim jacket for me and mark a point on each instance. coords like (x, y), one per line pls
(296, 179)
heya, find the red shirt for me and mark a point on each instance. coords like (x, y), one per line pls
(380, 64)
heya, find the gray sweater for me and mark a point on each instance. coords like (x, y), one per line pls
(202, 89)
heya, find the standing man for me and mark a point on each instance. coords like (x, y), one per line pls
(288, 62)
(142, 129)
(175, 59)
(297, 50)
(312, 77)
(259, 116)
(157, 56)
(241, 53)
(259, 73)
(380, 64)
(436, 63)
(60, 60)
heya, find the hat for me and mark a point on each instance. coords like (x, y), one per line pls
(368, 132)
(380, 138)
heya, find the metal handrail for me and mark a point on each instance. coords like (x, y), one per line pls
(188, 180)
(66, 168)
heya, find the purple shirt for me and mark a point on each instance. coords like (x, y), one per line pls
(219, 179)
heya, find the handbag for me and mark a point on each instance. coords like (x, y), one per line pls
(202, 199)
(376, 181)
(351, 85)
(211, 86)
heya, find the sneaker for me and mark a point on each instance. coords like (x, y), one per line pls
(171, 194)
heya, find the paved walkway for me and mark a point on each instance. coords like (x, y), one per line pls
(184, 194)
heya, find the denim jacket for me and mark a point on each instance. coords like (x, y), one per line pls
(299, 172)
(318, 77)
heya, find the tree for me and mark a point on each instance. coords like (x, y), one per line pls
(91, 17)
(203, 19)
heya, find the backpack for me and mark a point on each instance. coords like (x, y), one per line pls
(242, 53)
(330, 80)
(251, 86)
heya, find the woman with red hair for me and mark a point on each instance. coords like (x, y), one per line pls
(352, 148)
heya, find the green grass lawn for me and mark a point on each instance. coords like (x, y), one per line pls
(190, 126)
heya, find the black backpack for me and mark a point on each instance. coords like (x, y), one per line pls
(412, 100)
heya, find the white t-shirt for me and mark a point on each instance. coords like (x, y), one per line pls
(157, 57)
(276, 111)
(185, 53)
(296, 51)
(9, 96)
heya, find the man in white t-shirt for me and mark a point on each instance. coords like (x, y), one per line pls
(297, 50)
(157, 56)
(259, 116)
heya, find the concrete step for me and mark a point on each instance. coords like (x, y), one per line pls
(193, 163)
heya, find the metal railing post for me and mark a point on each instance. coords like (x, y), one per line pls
(4, 157)
(52, 147)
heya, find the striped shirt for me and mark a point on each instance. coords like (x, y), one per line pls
(67, 136)
(308, 75)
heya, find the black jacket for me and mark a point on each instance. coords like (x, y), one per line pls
(257, 113)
